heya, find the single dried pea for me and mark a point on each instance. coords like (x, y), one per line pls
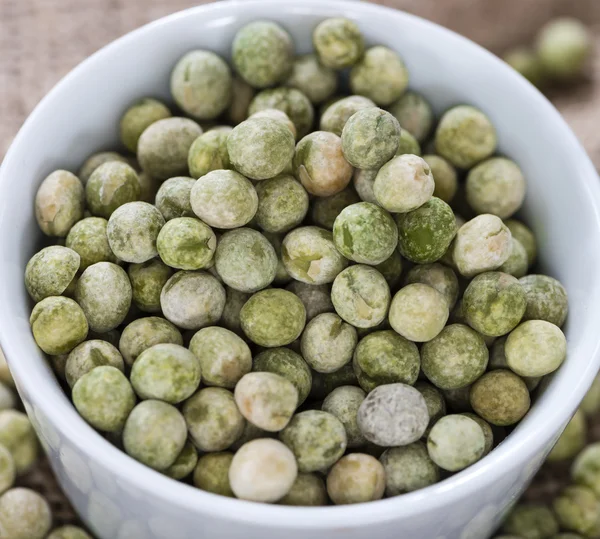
(465, 136)
(154, 434)
(224, 199)
(132, 231)
(192, 300)
(361, 296)
(308, 490)
(535, 348)
(111, 185)
(435, 400)
(58, 325)
(455, 442)
(89, 355)
(262, 470)
(317, 439)
(438, 276)
(260, 148)
(245, 260)
(147, 281)
(212, 473)
(520, 232)
(209, 152)
(97, 159)
(500, 397)
(320, 164)
(266, 399)
(328, 342)
(24, 514)
(403, 184)
(50, 271)
(213, 420)
(408, 468)
(525, 61)
(309, 255)
(201, 84)
(282, 204)
(482, 244)
(59, 203)
(517, 262)
(186, 243)
(365, 233)
(104, 398)
(384, 357)
(577, 509)
(425, 234)
(418, 312)
(338, 42)
(163, 147)
(166, 372)
(273, 318)
(224, 357)
(262, 53)
(89, 240)
(379, 75)
(313, 78)
(393, 415)
(104, 293)
(546, 299)
(370, 138)
(494, 303)
(356, 478)
(173, 197)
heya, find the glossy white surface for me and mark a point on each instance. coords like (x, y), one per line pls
(120, 498)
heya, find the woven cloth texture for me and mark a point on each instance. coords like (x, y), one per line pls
(42, 40)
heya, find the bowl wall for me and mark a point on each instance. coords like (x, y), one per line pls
(120, 498)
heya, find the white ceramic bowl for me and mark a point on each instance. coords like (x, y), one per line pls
(120, 498)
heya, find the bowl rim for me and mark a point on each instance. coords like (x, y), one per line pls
(467, 483)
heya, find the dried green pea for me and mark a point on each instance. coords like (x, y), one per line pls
(572, 440)
(89, 240)
(104, 398)
(384, 357)
(24, 514)
(50, 271)
(58, 325)
(111, 185)
(309, 255)
(213, 419)
(201, 84)
(209, 152)
(380, 75)
(263, 53)
(59, 203)
(224, 357)
(408, 468)
(334, 118)
(167, 372)
(186, 243)
(338, 42)
(224, 199)
(546, 299)
(282, 204)
(147, 281)
(444, 177)
(104, 293)
(173, 197)
(97, 159)
(415, 115)
(326, 209)
(365, 233)
(132, 231)
(17, 435)
(356, 478)
(308, 490)
(577, 509)
(212, 473)
(144, 333)
(89, 355)
(163, 147)
(313, 78)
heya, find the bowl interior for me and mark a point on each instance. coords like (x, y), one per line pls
(80, 116)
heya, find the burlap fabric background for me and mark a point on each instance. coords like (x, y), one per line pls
(41, 40)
